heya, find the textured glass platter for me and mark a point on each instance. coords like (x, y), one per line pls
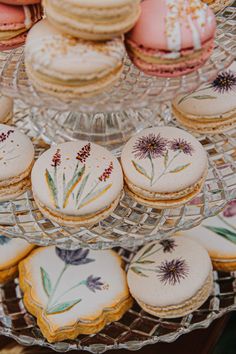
(135, 330)
(134, 89)
(131, 224)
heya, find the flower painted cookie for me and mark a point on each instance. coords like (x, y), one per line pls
(74, 292)
(171, 278)
(77, 183)
(212, 108)
(164, 167)
(12, 251)
(218, 236)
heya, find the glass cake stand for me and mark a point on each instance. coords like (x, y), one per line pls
(135, 330)
(111, 117)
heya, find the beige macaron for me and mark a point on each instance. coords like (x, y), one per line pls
(77, 183)
(212, 108)
(164, 167)
(69, 68)
(17, 158)
(171, 278)
(6, 109)
(92, 19)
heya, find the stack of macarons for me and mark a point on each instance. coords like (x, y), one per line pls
(79, 50)
(16, 18)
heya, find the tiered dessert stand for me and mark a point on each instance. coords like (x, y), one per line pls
(135, 102)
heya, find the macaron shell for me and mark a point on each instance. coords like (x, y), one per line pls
(13, 16)
(6, 107)
(99, 182)
(70, 59)
(171, 174)
(161, 26)
(208, 102)
(16, 151)
(155, 288)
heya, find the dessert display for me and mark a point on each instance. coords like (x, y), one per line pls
(171, 278)
(77, 183)
(12, 251)
(15, 21)
(77, 292)
(93, 20)
(218, 236)
(6, 109)
(69, 67)
(211, 109)
(146, 180)
(164, 167)
(17, 158)
(172, 38)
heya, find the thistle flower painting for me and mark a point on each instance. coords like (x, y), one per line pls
(155, 147)
(57, 302)
(77, 188)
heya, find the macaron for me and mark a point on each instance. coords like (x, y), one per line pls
(68, 67)
(77, 183)
(12, 251)
(17, 158)
(20, 2)
(210, 109)
(15, 21)
(6, 109)
(92, 19)
(171, 38)
(217, 5)
(218, 236)
(164, 167)
(171, 278)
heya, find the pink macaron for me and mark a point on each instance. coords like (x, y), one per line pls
(20, 2)
(172, 37)
(15, 21)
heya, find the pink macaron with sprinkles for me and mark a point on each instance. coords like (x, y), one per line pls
(15, 21)
(172, 37)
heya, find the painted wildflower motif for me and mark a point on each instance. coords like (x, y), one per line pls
(224, 82)
(75, 186)
(153, 147)
(4, 240)
(58, 303)
(171, 272)
(228, 231)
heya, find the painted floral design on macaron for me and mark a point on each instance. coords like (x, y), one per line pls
(164, 167)
(211, 108)
(73, 292)
(171, 284)
(77, 183)
(16, 161)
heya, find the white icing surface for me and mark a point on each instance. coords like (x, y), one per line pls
(16, 152)
(6, 106)
(196, 164)
(97, 162)
(10, 251)
(106, 266)
(152, 291)
(64, 57)
(217, 246)
(217, 103)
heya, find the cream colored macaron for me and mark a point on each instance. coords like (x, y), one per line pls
(212, 108)
(77, 183)
(93, 20)
(68, 67)
(171, 278)
(16, 161)
(6, 109)
(164, 167)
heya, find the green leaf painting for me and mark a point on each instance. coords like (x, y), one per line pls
(180, 168)
(52, 187)
(140, 169)
(204, 97)
(46, 281)
(62, 307)
(72, 184)
(138, 272)
(226, 233)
